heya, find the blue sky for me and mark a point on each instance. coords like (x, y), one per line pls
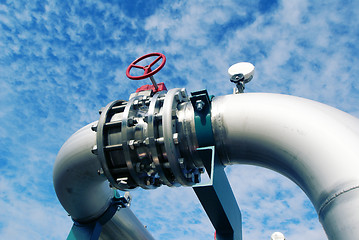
(61, 61)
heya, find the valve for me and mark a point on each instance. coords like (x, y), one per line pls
(149, 140)
(148, 72)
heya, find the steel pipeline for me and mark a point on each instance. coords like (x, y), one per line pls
(313, 144)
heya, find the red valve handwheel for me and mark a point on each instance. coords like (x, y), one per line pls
(148, 71)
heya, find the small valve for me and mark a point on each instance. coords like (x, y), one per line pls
(240, 74)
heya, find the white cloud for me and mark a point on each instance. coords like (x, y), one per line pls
(53, 80)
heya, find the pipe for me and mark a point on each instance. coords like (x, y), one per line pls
(313, 144)
(85, 194)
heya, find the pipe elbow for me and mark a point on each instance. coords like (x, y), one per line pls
(313, 144)
(83, 193)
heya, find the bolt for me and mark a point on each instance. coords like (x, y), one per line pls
(188, 175)
(197, 178)
(181, 95)
(200, 105)
(183, 92)
(146, 141)
(138, 143)
(145, 119)
(122, 180)
(160, 140)
(101, 110)
(128, 198)
(157, 182)
(153, 165)
(100, 171)
(94, 127)
(149, 181)
(181, 162)
(131, 122)
(177, 97)
(237, 78)
(158, 116)
(175, 138)
(94, 150)
(131, 143)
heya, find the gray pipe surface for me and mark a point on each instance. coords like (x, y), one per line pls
(85, 194)
(313, 144)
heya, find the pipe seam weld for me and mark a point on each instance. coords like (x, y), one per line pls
(333, 197)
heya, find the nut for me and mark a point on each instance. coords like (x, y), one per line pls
(131, 143)
(200, 105)
(175, 138)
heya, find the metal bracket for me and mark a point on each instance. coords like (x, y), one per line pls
(92, 230)
(201, 103)
(218, 199)
(216, 196)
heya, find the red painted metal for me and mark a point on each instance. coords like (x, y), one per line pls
(161, 87)
(147, 69)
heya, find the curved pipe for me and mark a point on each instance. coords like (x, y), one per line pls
(85, 194)
(314, 145)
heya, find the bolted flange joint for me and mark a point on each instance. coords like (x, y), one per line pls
(147, 145)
